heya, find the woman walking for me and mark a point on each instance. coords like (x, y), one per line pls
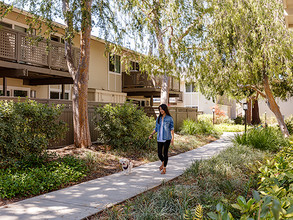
(165, 130)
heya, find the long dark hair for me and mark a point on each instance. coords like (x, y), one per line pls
(165, 108)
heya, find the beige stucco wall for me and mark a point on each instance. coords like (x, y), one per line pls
(98, 69)
(286, 107)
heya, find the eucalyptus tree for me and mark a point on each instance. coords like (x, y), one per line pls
(247, 47)
(78, 17)
(162, 30)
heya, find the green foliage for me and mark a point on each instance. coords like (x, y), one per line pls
(268, 138)
(274, 198)
(289, 124)
(220, 214)
(123, 126)
(33, 179)
(236, 60)
(26, 128)
(200, 127)
(229, 128)
(196, 214)
(239, 120)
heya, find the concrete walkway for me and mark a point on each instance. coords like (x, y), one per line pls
(85, 199)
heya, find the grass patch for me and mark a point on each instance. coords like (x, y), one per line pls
(229, 128)
(222, 178)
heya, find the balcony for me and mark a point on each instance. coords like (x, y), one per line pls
(138, 84)
(37, 63)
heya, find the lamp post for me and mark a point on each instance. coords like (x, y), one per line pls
(245, 107)
(265, 119)
(213, 115)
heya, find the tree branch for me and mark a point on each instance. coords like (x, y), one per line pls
(253, 88)
(68, 41)
(187, 30)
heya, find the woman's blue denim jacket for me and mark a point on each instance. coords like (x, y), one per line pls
(168, 125)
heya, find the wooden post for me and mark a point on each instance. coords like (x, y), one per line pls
(152, 101)
(63, 91)
(4, 86)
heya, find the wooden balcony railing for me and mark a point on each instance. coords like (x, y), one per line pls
(16, 47)
(139, 80)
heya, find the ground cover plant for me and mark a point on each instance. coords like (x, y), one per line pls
(24, 179)
(222, 178)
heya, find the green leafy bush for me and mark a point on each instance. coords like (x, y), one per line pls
(200, 127)
(268, 138)
(239, 120)
(26, 128)
(289, 124)
(123, 126)
(20, 181)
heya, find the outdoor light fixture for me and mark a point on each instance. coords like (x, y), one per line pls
(213, 109)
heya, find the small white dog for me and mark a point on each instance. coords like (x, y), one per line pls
(126, 166)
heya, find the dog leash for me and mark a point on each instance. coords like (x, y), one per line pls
(145, 143)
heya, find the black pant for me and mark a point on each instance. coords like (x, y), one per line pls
(164, 157)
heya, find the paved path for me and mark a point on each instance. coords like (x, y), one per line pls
(88, 198)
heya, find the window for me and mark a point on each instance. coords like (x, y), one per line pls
(190, 87)
(19, 93)
(57, 39)
(4, 24)
(20, 29)
(2, 93)
(114, 64)
(134, 66)
(57, 95)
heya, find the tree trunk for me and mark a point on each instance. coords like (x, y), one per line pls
(79, 74)
(255, 113)
(274, 106)
(165, 90)
(249, 111)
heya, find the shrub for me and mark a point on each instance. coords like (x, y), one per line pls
(268, 138)
(26, 128)
(289, 124)
(123, 126)
(200, 127)
(239, 120)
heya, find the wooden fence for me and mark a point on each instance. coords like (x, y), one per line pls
(178, 113)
